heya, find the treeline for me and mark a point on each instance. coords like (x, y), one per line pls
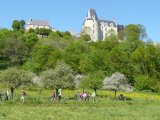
(128, 53)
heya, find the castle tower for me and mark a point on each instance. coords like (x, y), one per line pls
(98, 29)
(95, 29)
(91, 25)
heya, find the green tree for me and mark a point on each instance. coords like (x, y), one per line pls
(119, 59)
(37, 31)
(22, 24)
(3, 39)
(31, 39)
(16, 25)
(85, 37)
(42, 58)
(145, 57)
(16, 50)
(134, 34)
(31, 30)
(93, 80)
(110, 43)
(14, 78)
(142, 83)
(74, 53)
(93, 62)
(44, 32)
(4, 60)
(67, 36)
(56, 35)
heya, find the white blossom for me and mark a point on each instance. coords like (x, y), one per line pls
(117, 81)
(77, 79)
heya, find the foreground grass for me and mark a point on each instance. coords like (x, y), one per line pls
(105, 108)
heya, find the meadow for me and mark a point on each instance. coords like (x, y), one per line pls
(37, 106)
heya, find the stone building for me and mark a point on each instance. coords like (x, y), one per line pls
(99, 29)
(38, 24)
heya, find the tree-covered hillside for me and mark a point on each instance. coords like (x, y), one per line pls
(126, 53)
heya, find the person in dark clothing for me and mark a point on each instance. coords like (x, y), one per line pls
(0, 95)
(76, 96)
(6, 94)
(12, 89)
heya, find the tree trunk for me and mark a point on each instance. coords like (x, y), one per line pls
(56, 92)
(83, 89)
(12, 92)
(95, 90)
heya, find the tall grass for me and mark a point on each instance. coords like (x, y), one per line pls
(142, 106)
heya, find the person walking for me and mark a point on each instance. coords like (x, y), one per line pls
(76, 96)
(0, 95)
(94, 96)
(12, 90)
(6, 94)
(59, 95)
(52, 96)
(23, 96)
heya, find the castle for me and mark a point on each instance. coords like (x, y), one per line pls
(99, 29)
(38, 24)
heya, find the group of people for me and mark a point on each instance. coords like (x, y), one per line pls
(59, 94)
(8, 96)
(85, 96)
(78, 96)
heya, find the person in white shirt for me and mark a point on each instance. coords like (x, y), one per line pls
(23, 96)
(94, 96)
(59, 95)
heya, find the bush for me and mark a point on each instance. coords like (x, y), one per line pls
(142, 83)
(146, 83)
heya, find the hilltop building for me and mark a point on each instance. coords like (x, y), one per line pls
(38, 24)
(99, 29)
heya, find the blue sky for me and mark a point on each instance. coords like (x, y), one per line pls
(70, 14)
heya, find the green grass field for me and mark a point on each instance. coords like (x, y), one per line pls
(142, 106)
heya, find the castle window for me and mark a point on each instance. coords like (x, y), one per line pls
(101, 27)
(111, 25)
(102, 23)
(93, 31)
(93, 25)
(93, 17)
(106, 24)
